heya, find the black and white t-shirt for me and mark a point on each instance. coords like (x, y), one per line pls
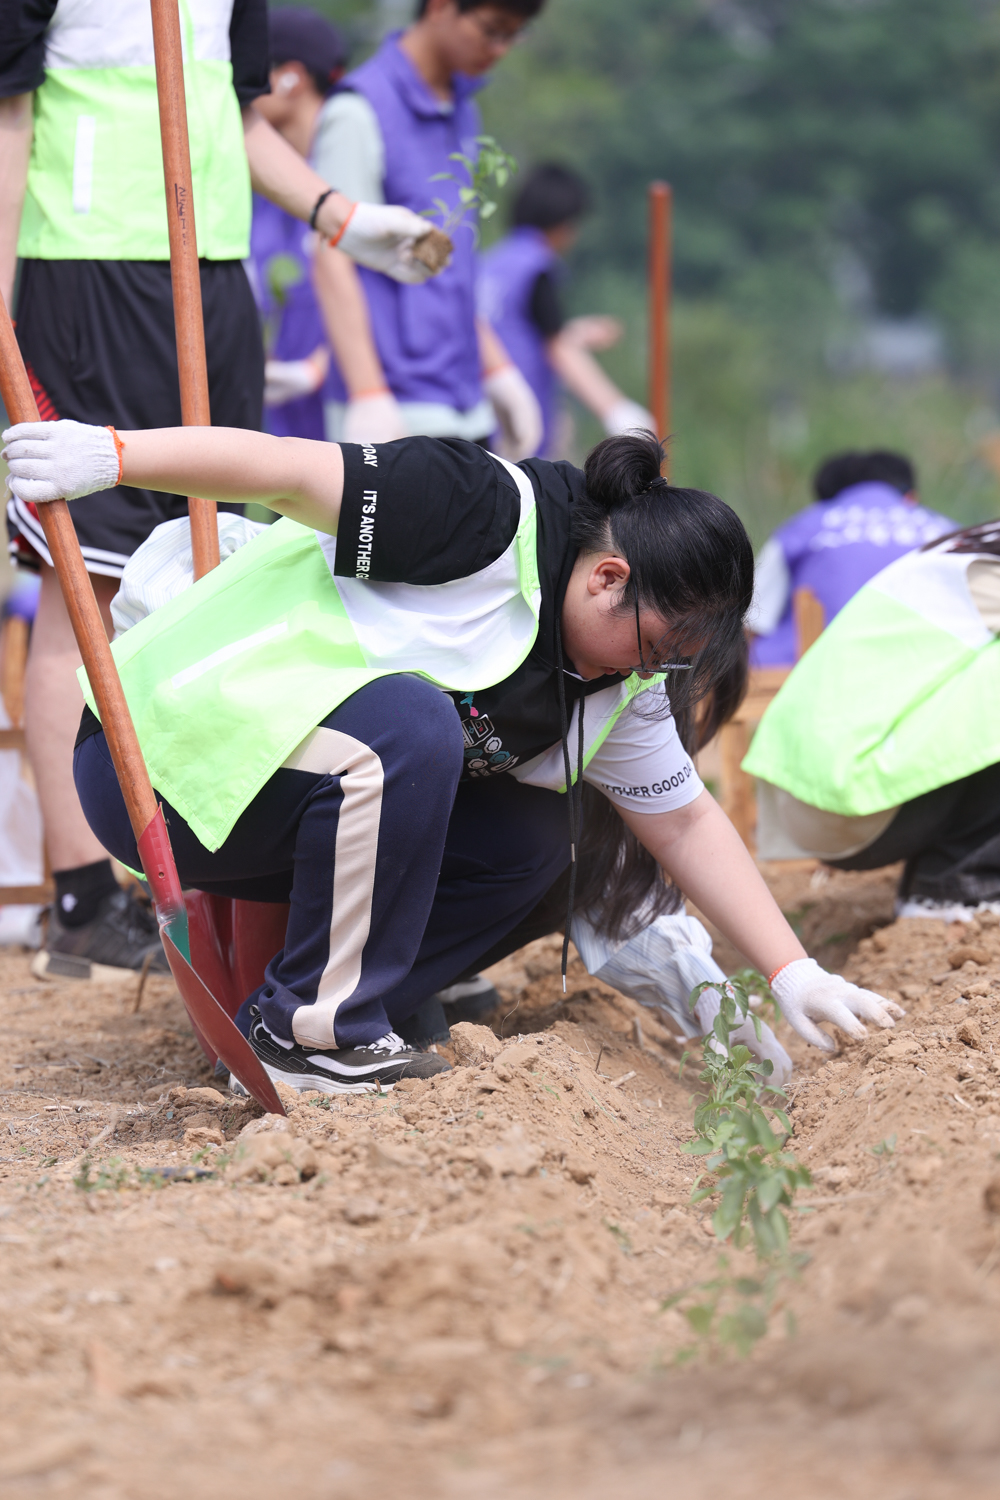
(428, 512)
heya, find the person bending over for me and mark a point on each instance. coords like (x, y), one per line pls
(384, 708)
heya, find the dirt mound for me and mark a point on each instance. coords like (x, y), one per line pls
(459, 1287)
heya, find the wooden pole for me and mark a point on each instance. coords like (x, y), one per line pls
(185, 276)
(660, 200)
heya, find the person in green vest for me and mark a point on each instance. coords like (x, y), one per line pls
(884, 743)
(384, 709)
(82, 205)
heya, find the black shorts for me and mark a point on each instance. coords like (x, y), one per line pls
(98, 340)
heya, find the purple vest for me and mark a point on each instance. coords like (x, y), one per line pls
(835, 546)
(425, 335)
(276, 245)
(507, 276)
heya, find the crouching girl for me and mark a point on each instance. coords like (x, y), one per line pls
(384, 708)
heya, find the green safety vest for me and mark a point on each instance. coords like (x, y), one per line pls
(226, 679)
(95, 178)
(900, 694)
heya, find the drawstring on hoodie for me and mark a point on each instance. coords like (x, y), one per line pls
(574, 794)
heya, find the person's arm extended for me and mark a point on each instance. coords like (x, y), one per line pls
(582, 376)
(348, 326)
(294, 476)
(279, 173)
(16, 129)
(705, 857)
(66, 460)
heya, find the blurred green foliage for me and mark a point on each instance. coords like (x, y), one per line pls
(833, 162)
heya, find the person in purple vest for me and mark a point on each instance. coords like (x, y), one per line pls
(308, 59)
(413, 361)
(866, 515)
(519, 296)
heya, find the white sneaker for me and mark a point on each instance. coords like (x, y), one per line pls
(942, 911)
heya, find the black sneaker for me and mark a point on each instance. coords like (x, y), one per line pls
(121, 937)
(345, 1070)
(470, 1000)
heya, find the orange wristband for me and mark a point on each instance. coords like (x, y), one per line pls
(119, 449)
(340, 232)
(772, 977)
(375, 390)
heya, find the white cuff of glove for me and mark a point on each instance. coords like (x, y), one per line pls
(59, 460)
(808, 994)
(518, 412)
(628, 416)
(373, 419)
(381, 236)
(288, 379)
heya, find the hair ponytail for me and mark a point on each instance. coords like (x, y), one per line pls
(691, 563)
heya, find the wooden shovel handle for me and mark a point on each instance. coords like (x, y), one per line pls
(185, 276)
(660, 228)
(84, 614)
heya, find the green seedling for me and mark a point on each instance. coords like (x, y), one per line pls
(484, 174)
(886, 1147)
(734, 1311)
(113, 1174)
(758, 988)
(742, 1142)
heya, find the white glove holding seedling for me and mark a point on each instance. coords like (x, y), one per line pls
(374, 418)
(381, 236)
(60, 460)
(766, 1048)
(807, 994)
(628, 416)
(288, 379)
(518, 412)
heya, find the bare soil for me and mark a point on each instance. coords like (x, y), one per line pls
(458, 1289)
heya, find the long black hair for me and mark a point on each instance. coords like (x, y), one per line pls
(691, 563)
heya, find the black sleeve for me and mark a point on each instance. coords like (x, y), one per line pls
(250, 50)
(23, 24)
(546, 305)
(423, 510)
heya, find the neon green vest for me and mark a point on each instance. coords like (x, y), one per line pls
(900, 694)
(95, 178)
(229, 677)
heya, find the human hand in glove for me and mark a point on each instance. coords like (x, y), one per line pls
(517, 410)
(373, 418)
(766, 1047)
(60, 460)
(382, 237)
(807, 994)
(288, 379)
(628, 416)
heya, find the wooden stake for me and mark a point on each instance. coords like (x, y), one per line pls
(185, 276)
(660, 256)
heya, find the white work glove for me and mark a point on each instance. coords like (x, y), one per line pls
(373, 419)
(59, 460)
(807, 994)
(381, 236)
(766, 1048)
(288, 379)
(517, 410)
(628, 416)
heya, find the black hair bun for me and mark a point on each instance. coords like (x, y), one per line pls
(622, 467)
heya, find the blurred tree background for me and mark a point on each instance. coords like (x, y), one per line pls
(836, 169)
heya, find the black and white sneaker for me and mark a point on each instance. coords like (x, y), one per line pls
(346, 1070)
(470, 1000)
(123, 936)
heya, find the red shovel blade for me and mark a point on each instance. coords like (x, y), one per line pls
(213, 1025)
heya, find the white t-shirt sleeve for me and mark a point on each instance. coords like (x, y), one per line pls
(642, 765)
(772, 582)
(348, 151)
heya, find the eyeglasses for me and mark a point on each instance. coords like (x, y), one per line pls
(650, 668)
(496, 36)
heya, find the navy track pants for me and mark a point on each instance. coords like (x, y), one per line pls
(399, 878)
